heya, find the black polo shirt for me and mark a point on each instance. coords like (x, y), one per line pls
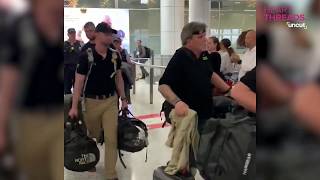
(71, 52)
(215, 61)
(45, 77)
(249, 79)
(190, 80)
(99, 80)
(87, 45)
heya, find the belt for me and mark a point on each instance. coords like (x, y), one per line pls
(100, 97)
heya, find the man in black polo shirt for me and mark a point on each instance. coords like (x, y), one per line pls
(188, 80)
(89, 29)
(71, 51)
(104, 80)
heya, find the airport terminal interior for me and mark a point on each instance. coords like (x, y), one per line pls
(158, 24)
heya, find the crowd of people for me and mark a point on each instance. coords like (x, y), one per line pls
(100, 72)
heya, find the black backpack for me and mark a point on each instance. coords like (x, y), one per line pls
(148, 52)
(166, 109)
(227, 146)
(80, 151)
(132, 134)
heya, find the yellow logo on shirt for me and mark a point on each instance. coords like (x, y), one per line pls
(204, 58)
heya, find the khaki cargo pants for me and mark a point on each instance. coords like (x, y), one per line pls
(39, 144)
(104, 114)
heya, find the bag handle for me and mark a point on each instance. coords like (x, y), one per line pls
(125, 113)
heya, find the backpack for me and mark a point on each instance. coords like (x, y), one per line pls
(80, 151)
(166, 109)
(227, 147)
(148, 52)
(132, 134)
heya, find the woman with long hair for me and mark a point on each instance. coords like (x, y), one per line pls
(228, 68)
(213, 47)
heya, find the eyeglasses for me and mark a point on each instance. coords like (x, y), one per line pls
(198, 32)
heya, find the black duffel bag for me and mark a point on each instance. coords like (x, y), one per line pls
(80, 151)
(132, 134)
(227, 144)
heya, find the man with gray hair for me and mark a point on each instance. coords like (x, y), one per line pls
(188, 80)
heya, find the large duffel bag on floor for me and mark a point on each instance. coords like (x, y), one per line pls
(159, 174)
(227, 148)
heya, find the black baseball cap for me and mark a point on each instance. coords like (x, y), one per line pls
(71, 30)
(105, 28)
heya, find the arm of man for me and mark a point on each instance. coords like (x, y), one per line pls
(120, 84)
(9, 76)
(78, 87)
(219, 83)
(168, 94)
(244, 92)
(143, 53)
(181, 108)
(244, 96)
(80, 77)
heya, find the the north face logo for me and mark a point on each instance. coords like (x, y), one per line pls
(85, 159)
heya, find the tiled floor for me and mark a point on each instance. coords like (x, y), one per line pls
(158, 153)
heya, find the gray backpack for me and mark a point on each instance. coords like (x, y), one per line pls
(227, 148)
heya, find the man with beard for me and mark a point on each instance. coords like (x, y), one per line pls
(89, 29)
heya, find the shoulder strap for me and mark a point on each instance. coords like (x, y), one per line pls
(90, 64)
(114, 61)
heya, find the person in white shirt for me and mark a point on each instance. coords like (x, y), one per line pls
(249, 57)
(226, 51)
